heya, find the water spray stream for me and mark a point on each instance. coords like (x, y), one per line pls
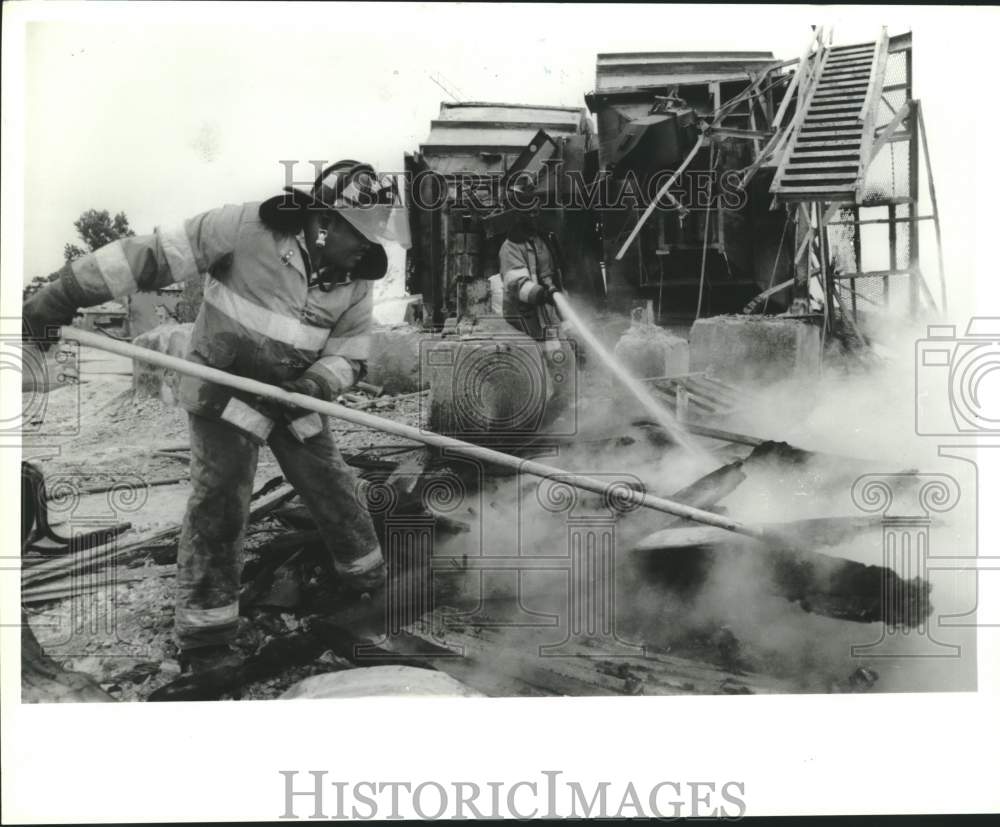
(660, 414)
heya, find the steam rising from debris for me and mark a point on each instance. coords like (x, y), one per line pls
(721, 604)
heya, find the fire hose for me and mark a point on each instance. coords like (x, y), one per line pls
(639, 391)
(615, 492)
(662, 416)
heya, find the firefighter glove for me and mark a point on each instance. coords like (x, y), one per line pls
(45, 312)
(307, 386)
(548, 290)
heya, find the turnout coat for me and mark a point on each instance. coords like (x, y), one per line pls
(261, 318)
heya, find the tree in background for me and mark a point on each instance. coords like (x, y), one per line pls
(37, 283)
(96, 228)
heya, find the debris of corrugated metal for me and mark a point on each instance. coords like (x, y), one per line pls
(469, 137)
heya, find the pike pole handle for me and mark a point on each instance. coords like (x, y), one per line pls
(613, 491)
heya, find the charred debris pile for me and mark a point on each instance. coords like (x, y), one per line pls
(720, 202)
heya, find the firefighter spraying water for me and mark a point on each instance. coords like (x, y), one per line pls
(533, 291)
(288, 301)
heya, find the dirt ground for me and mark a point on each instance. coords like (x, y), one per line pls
(97, 433)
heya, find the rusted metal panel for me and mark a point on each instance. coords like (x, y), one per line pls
(623, 71)
(650, 143)
(636, 80)
(570, 116)
(485, 137)
(465, 135)
(553, 126)
(643, 58)
(901, 42)
(471, 163)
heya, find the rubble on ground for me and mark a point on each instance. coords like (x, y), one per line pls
(295, 623)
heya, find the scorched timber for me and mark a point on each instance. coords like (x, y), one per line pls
(486, 657)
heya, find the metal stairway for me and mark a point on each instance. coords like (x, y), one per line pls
(828, 142)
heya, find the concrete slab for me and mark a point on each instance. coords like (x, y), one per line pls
(649, 351)
(756, 349)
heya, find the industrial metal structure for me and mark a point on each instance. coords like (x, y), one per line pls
(700, 117)
(716, 183)
(456, 183)
(848, 171)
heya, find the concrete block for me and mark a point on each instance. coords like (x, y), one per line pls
(756, 349)
(151, 381)
(649, 351)
(395, 358)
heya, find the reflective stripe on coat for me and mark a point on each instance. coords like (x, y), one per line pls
(259, 318)
(522, 266)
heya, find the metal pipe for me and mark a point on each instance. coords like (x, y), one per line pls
(874, 89)
(656, 200)
(618, 491)
(934, 206)
(803, 63)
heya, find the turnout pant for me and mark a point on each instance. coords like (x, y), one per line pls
(209, 558)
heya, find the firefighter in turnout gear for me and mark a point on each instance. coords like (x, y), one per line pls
(530, 270)
(287, 301)
(529, 273)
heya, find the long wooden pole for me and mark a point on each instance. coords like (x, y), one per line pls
(619, 492)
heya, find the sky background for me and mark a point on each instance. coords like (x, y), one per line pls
(165, 112)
